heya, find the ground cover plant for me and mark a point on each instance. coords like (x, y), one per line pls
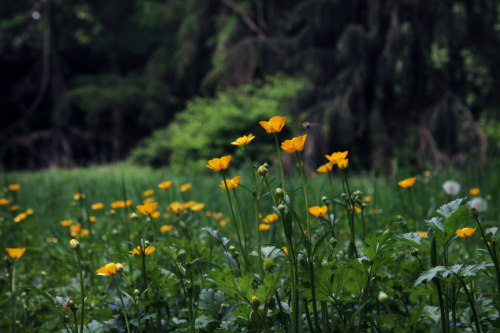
(254, 248)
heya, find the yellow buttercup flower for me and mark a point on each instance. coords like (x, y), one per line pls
(264, 226)
(325, 168)
(29, 211)
(293, 145)
(343, 163)
(243, 141)
(97, 206)
(92, 218)
(474, 191)
(185, 187)
(148, 208)
(318, 211)
(110, 269)
(367, 198)
(15, 253)
(4, 201)
(166, 228)
(223, 222)
(66, 223)
(147, 251)
(14, 187)
(77, 230)
(148, 200)
(408, 182)
(175, 207)
(465, 232)
(427, 173)
(148, 193)
(155, 215)
(20, 217)
(231, 183)
(218, 164)
(285, 250)
(197, 207)
(15, 207)
(271, 218)
(274, 125)
(78, 196)
(121, 204)
(165, 185)
(334, 157)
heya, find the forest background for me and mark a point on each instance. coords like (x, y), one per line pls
(172, 82)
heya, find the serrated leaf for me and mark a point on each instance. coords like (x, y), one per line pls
(211, 300)
(449, 208)
(429, 275)
(456, 219)
(493, 230)
(231, 259)
(412, 237)
(436, 223)
(203, 322)
(216, 234)
(471, 270)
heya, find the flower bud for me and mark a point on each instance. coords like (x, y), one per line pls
(281, 208)
(262, 170)
(344, 196)
(133, 216)
(255, 302)
(268, 265)
(414, 252)
(137, 292)
(333, 242)
(74, 245)
(474, 213)
(382, 297)
(280, 193)
(324, 200)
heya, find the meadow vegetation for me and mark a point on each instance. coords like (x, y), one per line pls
(250, 247)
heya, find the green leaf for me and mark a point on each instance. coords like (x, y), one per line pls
(456, 219)
(429, 275)
(471, 270)
(211, 300)
(204, 322)
(449, 208)
(436, 223)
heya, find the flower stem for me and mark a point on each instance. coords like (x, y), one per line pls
(492, 254)
(282, 170)
(82, 291)
(123, 304)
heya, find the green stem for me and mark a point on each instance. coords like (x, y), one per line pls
(233, 215)
(123, 304)
(350, 215)
(492, 254)
(282, 170)
(471, 302)
(293, 289)
(138, 317)
(243, 226)
(256, 195)
(13, 293)
(82, 291)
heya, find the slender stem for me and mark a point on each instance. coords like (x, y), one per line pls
(138, 317)
(13, 293)
(256, 195)
(471, 302)
(243, 226)
(233, 215)
(350, 215)
(293, 289)
(308, 316)
(82, 291)
(123, 304)
(282, 170)
(75, 318)
(282, 313)
(492, 254)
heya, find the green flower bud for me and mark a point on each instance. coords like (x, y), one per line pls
(280, 193)
(268, 265)
(255, 302)
(474, 213)
(74, 245)
(382, 297)
(262, 170)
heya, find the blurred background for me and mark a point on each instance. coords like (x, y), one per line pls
(171, 83)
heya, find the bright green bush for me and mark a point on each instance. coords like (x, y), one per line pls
(207, 126)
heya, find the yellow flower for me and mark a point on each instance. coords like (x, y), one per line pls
(285, 250)
(92, 218)
(97, 206)
(147, 251)
(78, 196)
(121, 204)
(112, 211)
(155, 215)
(15, 253)
(408, 182)
(223, 222)
(14, 187)
(197, 207)
(185, 187)
(66, 223)
(148, 193)
(271, 218)
(175, 207)
(4, 201)
(29, 211)
(367, 198)
(231, 183)
(343, 163)
(165, 185)
(15, 207)
(474, 191)
(110, 269)
(218, 164)
(244, 140)
(76, 230)
(422, 233)
(188, 204)
(325, 168)
(148, 208)
(427, 173)
(465, 232)
(20, 217)
(264, 226)
(293, 145)
(166, 228)
(334, 157)
(318, 211)
(148, 200)
(274, 125)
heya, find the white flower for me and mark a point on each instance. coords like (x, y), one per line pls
(479, 203)
(451, 187)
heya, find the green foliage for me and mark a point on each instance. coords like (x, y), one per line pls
(207, 126)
